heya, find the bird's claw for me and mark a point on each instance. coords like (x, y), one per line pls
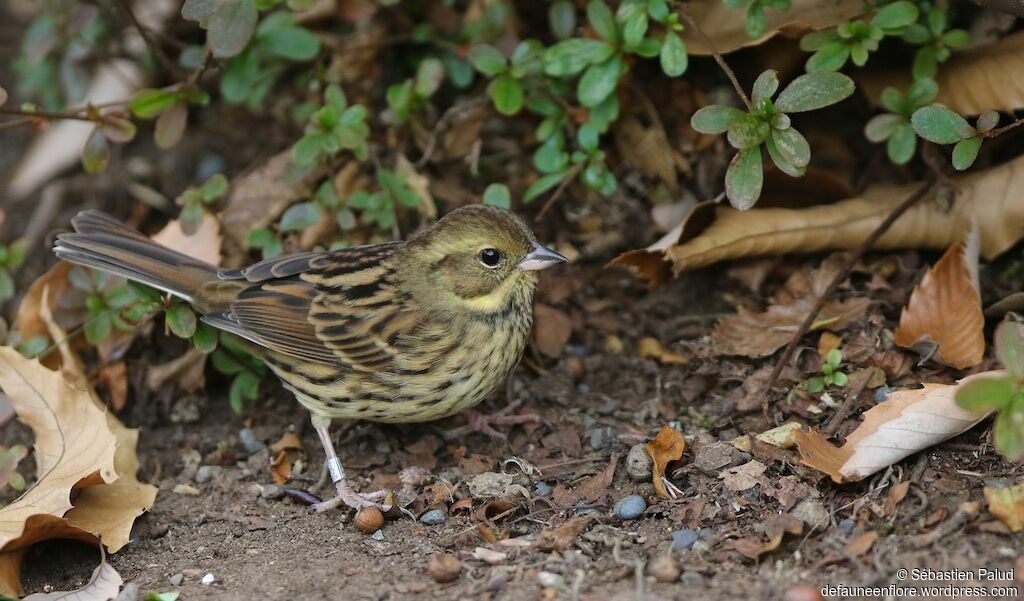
(484, 423)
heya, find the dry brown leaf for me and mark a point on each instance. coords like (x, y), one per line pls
(896, 495)
(650, 348)
(987, 78)
(726, 27)
(1007, 504)
(668, 446)
(862, 544)
(559, 538)
(204, 244)
(743, 477)
(419, 183)
(905, 423)
(594, 488)
(552, 329)
(114, 378)
(712, 234)
(945, 310)
(828, 342)
(783, 436)
(285, 452)
(104, 585)
(646, 149)
(776, 529)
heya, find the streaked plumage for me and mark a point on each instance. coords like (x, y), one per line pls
(396, 332)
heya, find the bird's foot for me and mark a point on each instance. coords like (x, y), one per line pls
(484, 422)
(347, 496)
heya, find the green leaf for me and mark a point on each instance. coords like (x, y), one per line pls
(299, 217)
(902, 144)
(765, 86)
(815, 384)
(602, 20)
(214, 187)
(792, 146)
(587, 136)
(940, 125)
(507, 94)
(896, 15)
(749, 130)
(957, 38)
(429, 76)
(154, 596)
(649, 48)
(744, 178)
(831, 57)
(986, 392)
(880, 127)
(182, 320)
(16, 253)
(96, 152)
(205, 338)
(840, 379)
(926, 62)
(562, 18)
(756, 22)
(814, 91)
(98, 329)
(231, 27)
(550, 158)
(148, 103)
(6, 285)
(780, 161)
(542, 185)
(715, 119)
(292, 43)
(487, 59)
(1009, 343)
(674, 57)
(497, 195)
(987, 121)
(818, 39)
(573, 55)
(604, 114)
(634, 29)
(170, 125)
(1009, 429)
(245, 386)
(198, 10)
(965, 152)
(599, 81)
(307, 150)
(224, 362)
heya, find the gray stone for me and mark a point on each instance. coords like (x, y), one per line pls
(701, 547)
(130, 592)
(378, 535)
(847, 526)
(248, 439)
(715, 457)
(205, 473)
(812, 513)
(684, 539)
(177, 579)
(631, 507)
(542, 489)
(639, 464)
(271, 491)
(434, 517)
(691, 579)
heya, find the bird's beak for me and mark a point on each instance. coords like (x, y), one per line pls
(540, 258)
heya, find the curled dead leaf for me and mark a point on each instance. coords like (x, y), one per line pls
(668, 446)
(711, 234)
(945, 310)
(1007, 504)
(560, 537)
(104, 585)
(204, 244)
(776, 529)
(650, 348)
(907, 422)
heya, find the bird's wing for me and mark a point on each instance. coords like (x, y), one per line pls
(335, 308)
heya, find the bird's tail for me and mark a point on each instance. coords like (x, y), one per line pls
(102, 242)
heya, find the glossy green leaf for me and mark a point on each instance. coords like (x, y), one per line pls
(575, 54)
(902, 144)
(602, 20)
(181, 320)
(744, 178)
(814, 91)
(940, 125)
(896, 15)
(673, 56)
(830, 57)
(148, 103)
(205, 338)
(487, 59)
(986, 392)
(599, 81)
(507, 94)
(497, 195)
(715, 119)
(765, 86)
(1009, 343)
(966, 152)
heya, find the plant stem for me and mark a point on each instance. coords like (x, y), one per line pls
(152, 44)
(859, 252)
(569, 176)
(992, 133)
(718, 58)
(72, 114)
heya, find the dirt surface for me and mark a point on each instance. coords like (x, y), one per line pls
(272, 549)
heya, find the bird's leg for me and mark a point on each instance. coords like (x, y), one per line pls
(484, 423)
(346, 494)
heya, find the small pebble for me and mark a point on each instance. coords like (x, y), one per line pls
(813, 513)
(664, 569)
(208, 579)
(631, 507)
(691, 579)
(881, 392)
(639, 463)
(444, 567)
(701, 547)
(249, 441)
(847, 526)
(205, 473)
(378, 535)
(684, 539)
(434, 517)
(271, 491)
(542, 489)
(177, 579)
(185, 489)
(713, 458)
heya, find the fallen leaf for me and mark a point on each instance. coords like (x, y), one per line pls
(27, 320)
(552, 330)
(560, 537)
(862, 544)
(646, 149)
(285, 452)
(905, 423)
(668, 446)
(896, 495)
(186, 370)
(114, 378)
(204, 244)
(726, 27)
(945, 310)
(776, 529)
(971, 82)
(594, 488)
(788, 491)
(743, 477)
(783, 436)
(650, 348)
(828, 342)
(717, 233)
(104, 585)
(1007, 504)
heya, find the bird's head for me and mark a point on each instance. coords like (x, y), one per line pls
(479, 258)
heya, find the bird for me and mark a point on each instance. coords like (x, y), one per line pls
(395, 332)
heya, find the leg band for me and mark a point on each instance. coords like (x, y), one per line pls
(336, 470)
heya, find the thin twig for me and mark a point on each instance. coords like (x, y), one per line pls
(718, 58)
(992, 133)
(836, 282)
(569, 176)
(30, 115)
(152, 44)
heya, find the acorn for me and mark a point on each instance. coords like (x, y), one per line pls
(369, 520)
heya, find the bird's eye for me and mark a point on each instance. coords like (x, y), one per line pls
(490, 257)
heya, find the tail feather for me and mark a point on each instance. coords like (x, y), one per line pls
(102, 242)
